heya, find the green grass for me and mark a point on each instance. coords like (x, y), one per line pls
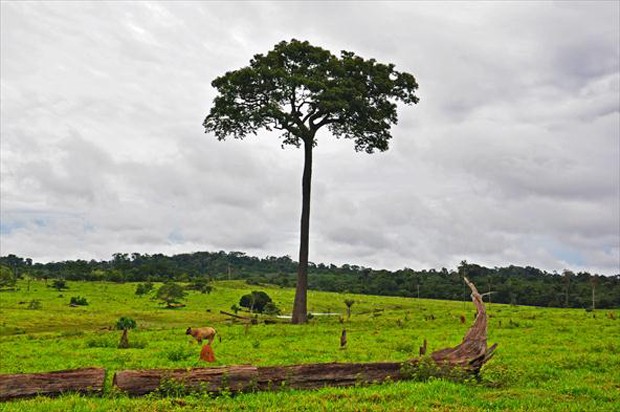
(548, 359)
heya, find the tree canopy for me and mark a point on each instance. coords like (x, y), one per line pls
(298, 88)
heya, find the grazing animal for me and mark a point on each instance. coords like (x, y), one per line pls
(200, 334)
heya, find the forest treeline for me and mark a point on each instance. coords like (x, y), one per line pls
(512, 284)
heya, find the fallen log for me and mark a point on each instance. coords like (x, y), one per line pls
(253, 321)
(470, 355)
(24, 385)
(251, 378)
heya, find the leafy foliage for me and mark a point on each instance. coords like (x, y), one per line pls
(255, 301)
(78, 301)
(144, 288)
(202, 285)
(125, 323)
(271, 309)
(7, 278)
(59, 284)
(171, 294)
(298, 88)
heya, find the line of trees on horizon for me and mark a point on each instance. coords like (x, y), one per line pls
(511, 285)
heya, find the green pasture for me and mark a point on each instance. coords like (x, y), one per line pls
(548, 359)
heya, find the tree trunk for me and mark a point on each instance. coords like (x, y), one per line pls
(252, 378)
(20, 385)
(124, 343)
(300, 306)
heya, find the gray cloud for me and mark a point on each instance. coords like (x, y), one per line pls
(511, 157)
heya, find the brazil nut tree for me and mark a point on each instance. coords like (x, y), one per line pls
(297, 89)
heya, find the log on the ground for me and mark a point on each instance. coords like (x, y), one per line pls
(252, 378)
(253, 321)
(24, 385)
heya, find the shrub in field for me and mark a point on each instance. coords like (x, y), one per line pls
(255, 301)
(59, 284)
(7, 278)
(171, 388)
(271, 309)
(78, 301)
(124, 324)
(34, 304)
(144, 288)
(171, 294)
(200, 285)
(426, 369)
(179, 353)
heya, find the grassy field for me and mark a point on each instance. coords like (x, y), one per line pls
(548, 359)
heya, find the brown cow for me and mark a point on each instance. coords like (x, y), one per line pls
(199, 334)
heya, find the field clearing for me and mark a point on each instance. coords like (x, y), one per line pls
(548, 359)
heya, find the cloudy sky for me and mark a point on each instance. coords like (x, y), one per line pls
(511, 157)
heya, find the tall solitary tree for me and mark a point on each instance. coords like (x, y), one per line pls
(297, 89)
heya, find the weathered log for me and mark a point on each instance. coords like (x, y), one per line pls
(252, 378)
(24, 385)
(253, 321)
(470, 355)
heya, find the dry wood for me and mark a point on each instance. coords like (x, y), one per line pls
(252, 378)
(472, 352)
(253, 321)
(21, 385)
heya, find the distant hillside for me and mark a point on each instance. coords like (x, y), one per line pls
(512, 284)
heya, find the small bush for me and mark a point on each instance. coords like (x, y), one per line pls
(271, 309)
(255, 301)
(178, 354)
(101, 342)
(405, 347)
(144, 288)
(427, 370)
(78, 301)
(35, 304)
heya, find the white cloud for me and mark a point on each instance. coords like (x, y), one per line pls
(511, 157)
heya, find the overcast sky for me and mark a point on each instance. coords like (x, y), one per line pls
(511, 156)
